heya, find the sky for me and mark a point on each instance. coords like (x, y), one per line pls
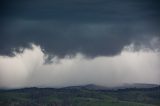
(58, 43)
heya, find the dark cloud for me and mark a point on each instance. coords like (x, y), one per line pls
(93, 27)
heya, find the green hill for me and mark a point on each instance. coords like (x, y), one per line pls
(80, 97)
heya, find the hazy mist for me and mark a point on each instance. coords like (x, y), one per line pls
(28, 69)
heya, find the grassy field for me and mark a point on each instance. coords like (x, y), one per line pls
(79, 97)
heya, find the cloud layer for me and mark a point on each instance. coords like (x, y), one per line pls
(105, 42)
(27, 69)
(66, 27)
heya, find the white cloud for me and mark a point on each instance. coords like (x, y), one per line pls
(27, 69)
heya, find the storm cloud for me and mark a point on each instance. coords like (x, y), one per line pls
(57, 43)
(66, 27)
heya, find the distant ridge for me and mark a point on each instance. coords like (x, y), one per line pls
(124, 86)
(138, 85)
(95, 87)
(89, 87)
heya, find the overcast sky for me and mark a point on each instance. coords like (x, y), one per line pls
(56, 43)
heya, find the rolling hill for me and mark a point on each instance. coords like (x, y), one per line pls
(88, 95)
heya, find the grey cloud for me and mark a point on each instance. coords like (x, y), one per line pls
(61, 27)
(101, 10)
